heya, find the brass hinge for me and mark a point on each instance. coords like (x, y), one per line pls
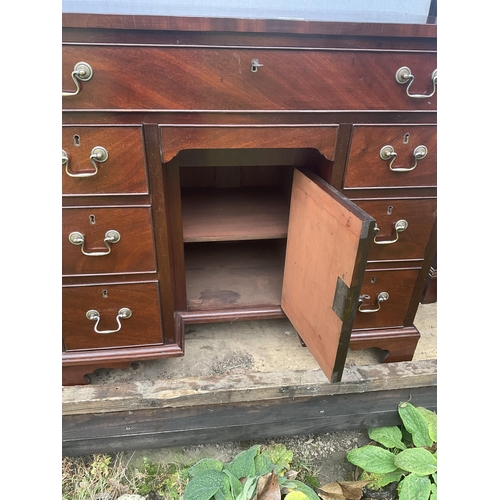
(343, 300)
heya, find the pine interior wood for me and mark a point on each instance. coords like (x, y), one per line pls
(229, 214)
(231, 275)
(322, 246)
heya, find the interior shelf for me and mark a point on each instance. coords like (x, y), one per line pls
(234, 214)
(228, 275)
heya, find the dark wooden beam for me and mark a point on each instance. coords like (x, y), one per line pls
(171, 427)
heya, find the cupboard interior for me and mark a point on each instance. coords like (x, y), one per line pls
(235, 207)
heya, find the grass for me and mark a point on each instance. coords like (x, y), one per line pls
(108, 476)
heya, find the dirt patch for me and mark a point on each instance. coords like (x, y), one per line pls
(230, 362)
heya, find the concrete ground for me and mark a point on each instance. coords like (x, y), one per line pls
(254, 346)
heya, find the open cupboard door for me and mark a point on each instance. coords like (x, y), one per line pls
(327, 249)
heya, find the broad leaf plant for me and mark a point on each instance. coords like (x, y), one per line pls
(405, 454)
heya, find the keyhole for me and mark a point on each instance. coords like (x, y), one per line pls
(373, 279)
(104, 294)
(406, 138)
(76, 140)
(92, 219)
(389, 209)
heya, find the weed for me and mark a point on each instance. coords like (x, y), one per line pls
(406, 455)
(90, 478)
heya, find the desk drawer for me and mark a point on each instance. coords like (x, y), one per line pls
(366, 168)
(398, 284)
(121, 168)
(142, 327)
(119, 240)
(415, 218)
(139, 77)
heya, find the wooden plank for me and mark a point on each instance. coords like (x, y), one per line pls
(167, 427)
(254, 388)
(152, 22)
(234, 214)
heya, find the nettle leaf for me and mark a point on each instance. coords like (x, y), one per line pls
(205, 464)
(414, 487)
(234, 482)
(415, 424)
(390, 437)
(372, 459)
(248, 489)
(378, 481)
(206, 484)
(433, 492)
(263, 465)
(431, 419)
(243, 465)
(279, 456)
(417, 460)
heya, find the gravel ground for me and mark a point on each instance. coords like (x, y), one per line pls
(322, 454)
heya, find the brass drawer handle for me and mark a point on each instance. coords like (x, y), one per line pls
(403, 75)
(399, 227)
(111, 236)
(93, 315)
(98, 154)
(381, 297)
(388, 153)
(83, 72)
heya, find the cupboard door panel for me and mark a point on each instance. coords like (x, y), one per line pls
(327, 247)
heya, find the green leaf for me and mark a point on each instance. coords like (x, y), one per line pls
(263, 465)
(431, 419)
(234, 482)
(303, 488)
(243, 465)
(248, 489)
(417, 460)
(378, 481)
(372, 459)
(280, 457)
(390, 437)
(434, 493)
(205, 464)
(415, 424)
(414, 487)
(206, 484)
